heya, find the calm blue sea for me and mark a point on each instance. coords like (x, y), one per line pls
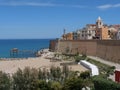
(21, 44)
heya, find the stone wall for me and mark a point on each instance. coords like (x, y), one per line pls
(106, 49)
(52, 45)
(109, 50)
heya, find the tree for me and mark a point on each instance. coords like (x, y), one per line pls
(40, 74)
(26, 79)
(43, 85)
(78, 58)
(56, 86)
(65, 71)
(33, 79)
(53, 72)
(4, 81)
(18, 80)
(58, 72)
(73, 84)
(85, 75)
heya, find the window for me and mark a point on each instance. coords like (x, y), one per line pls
(108, 32)
(89, 34)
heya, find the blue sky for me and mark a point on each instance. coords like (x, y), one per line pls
(47, 18)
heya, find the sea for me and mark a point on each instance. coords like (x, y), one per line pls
(26, 46)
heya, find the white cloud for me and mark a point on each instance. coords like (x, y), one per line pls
(40, 4)
(107, 6)
(26, 4)
(117, 5)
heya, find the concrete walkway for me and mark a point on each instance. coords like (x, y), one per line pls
(105, 61)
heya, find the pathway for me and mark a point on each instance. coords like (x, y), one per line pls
(105, 61)
(108, 63)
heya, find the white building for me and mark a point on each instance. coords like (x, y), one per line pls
(118, 35)
(87, 32)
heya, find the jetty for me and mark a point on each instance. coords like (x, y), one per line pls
(15, 52)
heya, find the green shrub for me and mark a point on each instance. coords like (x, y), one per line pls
(104, 84)
(78, 58)
(56, 86)
(84, 56)
(4, 81)
(73, 84)
(85, 75)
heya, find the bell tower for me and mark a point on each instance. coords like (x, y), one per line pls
(99, 23)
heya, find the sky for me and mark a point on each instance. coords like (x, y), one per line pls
(36, 19)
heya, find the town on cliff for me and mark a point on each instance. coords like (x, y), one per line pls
(94, 31)
(98, 39)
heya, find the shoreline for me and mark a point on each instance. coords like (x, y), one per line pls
(11, 66)
(39, 53)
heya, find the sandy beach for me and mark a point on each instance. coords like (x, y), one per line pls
(11, 66)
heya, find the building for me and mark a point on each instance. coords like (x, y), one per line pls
(75, 35)
(68, 36)
(115, 31)
(112, 32)
(94, 31)
(81, 34)
(88, 32)
(118, 35)
(102, 33)
(101, 30)
(116, 26)
(91, 28)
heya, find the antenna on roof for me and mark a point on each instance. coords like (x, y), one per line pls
(64, 31)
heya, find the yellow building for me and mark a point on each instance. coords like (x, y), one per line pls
(68, 36)
(101, 30)
(102, 33)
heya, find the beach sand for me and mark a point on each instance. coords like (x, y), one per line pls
(11, 66)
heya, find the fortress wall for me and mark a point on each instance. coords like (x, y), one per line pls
(106, 49)
(78, 46)
(109, 50)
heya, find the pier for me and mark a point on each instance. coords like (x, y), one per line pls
(16, 53)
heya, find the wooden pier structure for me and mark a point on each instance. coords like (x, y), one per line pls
(16, 53)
